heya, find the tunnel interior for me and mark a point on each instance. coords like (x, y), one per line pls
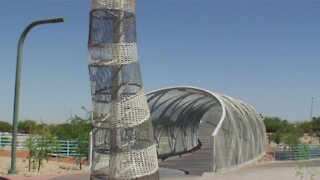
(187, 119)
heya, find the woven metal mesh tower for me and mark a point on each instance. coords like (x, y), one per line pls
(123, 143)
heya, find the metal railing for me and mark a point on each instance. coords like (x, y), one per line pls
(6, 140)
(297, 152)
(67, 148)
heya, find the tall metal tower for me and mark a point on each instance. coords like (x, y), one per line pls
(123, 140)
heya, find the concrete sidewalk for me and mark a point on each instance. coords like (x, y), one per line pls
(164, 174)
(288, 170)
(302, 170)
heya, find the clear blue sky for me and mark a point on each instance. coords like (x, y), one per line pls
(265, 53)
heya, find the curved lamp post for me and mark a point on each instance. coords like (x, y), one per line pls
(17, 88)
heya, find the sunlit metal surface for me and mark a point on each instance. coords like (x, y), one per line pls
(235, 129)
(123, 144)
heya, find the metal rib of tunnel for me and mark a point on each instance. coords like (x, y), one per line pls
(185, 118)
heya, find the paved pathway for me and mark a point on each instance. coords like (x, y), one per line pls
(196, 163)
(304, 170)
(296, 170)
(164, 174)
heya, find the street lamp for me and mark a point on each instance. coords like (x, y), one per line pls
(311, 117)
(13, 170)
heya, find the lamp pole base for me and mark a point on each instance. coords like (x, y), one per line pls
(12, 171)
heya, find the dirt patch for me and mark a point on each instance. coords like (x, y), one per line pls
(269, 156)
(53, 165)
(20, 154)
(24, 154)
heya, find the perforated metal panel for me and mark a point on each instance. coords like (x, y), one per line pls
(123, 144)
(236, 132)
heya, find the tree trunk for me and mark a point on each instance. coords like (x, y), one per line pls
(39, 164)
(29, 158)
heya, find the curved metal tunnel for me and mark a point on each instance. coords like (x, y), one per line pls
(186, 118)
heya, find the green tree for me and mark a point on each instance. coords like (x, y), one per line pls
(316, 122)
(82, 127)
(41, 145)
(290, 138)
(315, 125)
(304, 126)
(276, 137)
(82, 151)
(273, 124)
(27, 126)
(77, 129)
(64, 131)
(74, 128)
(5, 126)
(31, 148)
(283, 131)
